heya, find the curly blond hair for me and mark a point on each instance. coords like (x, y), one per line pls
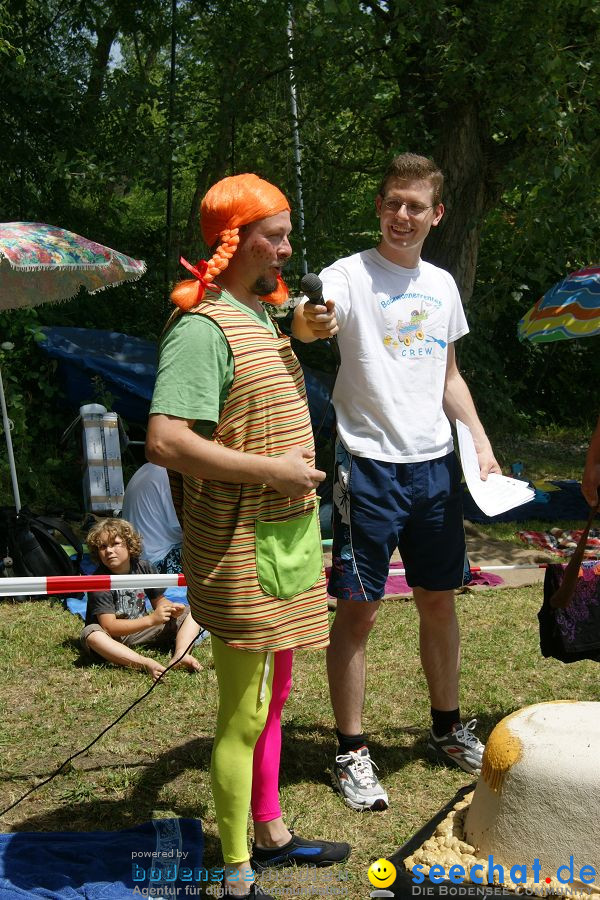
(107, 530)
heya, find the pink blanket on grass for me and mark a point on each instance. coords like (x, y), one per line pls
(397, 584)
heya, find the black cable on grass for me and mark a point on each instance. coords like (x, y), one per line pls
(3, 812)
(103, 732)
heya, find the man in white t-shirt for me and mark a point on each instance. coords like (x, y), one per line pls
(148, 505)
(396, 478)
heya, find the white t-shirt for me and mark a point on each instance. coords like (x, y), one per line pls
(395, 327)
(148, 505)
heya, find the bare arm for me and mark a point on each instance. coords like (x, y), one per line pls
(122, 627)
(312, 321)
(591, 473)
(176, 609)
(458, 404)
(171, 442)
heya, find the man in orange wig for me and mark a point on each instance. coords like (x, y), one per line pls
(229, 417)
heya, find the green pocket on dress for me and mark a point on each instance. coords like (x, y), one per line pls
(289, 556)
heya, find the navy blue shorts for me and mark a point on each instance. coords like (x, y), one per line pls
(380, 506)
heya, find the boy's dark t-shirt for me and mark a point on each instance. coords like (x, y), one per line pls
(125, 603)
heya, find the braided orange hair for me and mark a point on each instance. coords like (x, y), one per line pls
(230, 203)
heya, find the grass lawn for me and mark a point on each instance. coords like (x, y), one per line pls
(552, 453)
(156, 761)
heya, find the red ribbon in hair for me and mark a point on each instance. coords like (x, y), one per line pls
(182, 295)
(199, 272)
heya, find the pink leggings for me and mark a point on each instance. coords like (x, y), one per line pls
(267, 752)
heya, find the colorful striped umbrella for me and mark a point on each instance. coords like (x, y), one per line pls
(570, 309)
(41, 264)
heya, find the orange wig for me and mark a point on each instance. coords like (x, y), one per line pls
(230, 203)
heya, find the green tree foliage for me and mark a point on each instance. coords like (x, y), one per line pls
(97, 136)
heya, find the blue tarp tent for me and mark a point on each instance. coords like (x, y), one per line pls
(127, 366)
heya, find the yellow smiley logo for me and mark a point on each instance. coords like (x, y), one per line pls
(382, 873)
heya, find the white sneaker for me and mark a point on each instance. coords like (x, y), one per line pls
(460, 747)
(353, 776)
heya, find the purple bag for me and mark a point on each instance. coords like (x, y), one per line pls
(572, 633)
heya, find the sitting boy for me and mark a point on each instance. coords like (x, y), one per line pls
(116, 620)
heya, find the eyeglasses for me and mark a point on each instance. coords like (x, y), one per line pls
(412, 209)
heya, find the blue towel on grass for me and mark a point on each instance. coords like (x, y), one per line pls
(100, 865)
(78, 605)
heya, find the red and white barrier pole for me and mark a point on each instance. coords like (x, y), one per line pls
(74, 584)
(484, 568)
(502, 568)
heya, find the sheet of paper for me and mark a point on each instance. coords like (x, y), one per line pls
(499, 493)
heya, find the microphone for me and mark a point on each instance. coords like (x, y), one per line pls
(312, 286)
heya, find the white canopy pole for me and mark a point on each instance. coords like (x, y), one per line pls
(9, 447)
(296, 140)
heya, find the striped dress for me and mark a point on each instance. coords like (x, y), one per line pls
(265, 413)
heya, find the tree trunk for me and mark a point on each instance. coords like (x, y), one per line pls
(454, 244)
(212, 171)
(106, 36)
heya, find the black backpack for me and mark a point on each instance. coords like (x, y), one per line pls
(29, 547)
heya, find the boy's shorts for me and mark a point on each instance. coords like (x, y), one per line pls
(380, 506)
(157, 636)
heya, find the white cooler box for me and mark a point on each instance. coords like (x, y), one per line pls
(103, 486)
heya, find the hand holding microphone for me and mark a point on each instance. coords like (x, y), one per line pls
(322, 324)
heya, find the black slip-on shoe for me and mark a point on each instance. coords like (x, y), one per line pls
(300, 852)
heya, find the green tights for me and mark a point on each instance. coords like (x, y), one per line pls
(245, 681)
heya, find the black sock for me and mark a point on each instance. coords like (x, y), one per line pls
(442, 720)
(349, 742)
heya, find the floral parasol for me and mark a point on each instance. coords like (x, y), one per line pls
(41, 264)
